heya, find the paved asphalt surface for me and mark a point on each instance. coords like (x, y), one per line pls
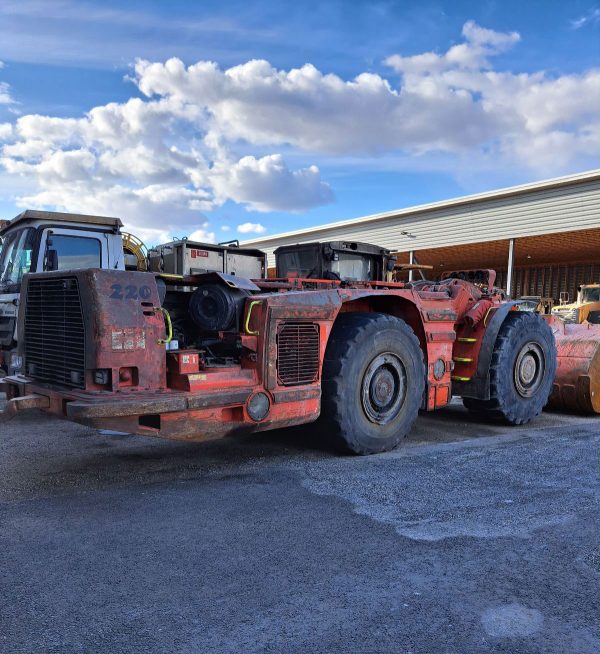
(469, 538)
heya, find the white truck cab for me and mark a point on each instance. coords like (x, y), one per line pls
(35, 241)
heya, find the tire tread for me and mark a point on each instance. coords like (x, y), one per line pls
(350, 331)
(499, 404)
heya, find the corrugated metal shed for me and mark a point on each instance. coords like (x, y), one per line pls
(562, 204)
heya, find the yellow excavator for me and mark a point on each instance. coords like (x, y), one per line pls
(585, 309)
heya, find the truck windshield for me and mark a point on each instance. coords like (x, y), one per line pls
(16, 256)
(590, 294)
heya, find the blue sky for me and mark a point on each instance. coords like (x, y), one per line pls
(403, 103)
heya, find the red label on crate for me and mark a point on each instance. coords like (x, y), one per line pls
(198, 253)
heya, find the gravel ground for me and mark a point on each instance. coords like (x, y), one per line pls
(469, 538)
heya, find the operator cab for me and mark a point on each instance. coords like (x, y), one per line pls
(589, 293)
(37, 241)
(346, 261)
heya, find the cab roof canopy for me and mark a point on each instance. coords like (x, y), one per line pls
(357, 247)
(58, 217)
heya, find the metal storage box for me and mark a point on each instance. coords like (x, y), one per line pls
(190, 258)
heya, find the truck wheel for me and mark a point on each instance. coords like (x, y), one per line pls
(522, 370)
(373, 382)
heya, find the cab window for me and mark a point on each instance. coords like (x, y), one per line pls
(76, 252)
(15, 259)
(591, 294)
(352, 268)
(298, 263)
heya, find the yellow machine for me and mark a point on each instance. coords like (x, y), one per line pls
(585, 309)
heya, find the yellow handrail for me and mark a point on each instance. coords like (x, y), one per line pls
(168, 323)
(247, 323)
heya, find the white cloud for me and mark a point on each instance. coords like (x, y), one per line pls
(453, 102)
(202, 235)
(203, 136)
(63, 31)
(267, 183)
(6, 130)
(152, 162)
(317, 112)
(5, 96)
(225, 228)
(251, 228)
(480, 44)
(543, 122)
(591, 18)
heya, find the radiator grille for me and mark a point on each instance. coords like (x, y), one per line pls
(298, 353)
(54, 332)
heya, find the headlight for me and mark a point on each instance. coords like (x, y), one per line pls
(439, 368)
(258, 406)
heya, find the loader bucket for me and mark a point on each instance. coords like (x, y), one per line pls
(577, 381)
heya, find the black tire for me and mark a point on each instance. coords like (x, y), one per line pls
(522, 370)
(373, 383)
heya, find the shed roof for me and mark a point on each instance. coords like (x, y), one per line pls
(556, 182)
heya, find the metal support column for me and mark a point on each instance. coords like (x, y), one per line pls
(511, 265)
(411, 260)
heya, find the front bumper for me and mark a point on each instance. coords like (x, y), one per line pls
(165, 413)
(20, 403)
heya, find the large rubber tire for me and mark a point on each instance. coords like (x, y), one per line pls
(373, 383)
(522, 370)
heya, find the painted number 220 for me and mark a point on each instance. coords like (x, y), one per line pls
(130, 292)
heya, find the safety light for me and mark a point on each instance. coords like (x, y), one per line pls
(439, 368)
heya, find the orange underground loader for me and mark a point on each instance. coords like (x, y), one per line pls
(212, 355)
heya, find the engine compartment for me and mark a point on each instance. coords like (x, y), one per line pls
(206, 314)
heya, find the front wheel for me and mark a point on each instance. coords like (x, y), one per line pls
(522, 370)
(373, 382)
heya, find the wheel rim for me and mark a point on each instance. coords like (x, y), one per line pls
(384, 388)
(529, 368)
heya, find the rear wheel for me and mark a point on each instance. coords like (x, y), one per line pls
(522, 370)
(373, 382)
